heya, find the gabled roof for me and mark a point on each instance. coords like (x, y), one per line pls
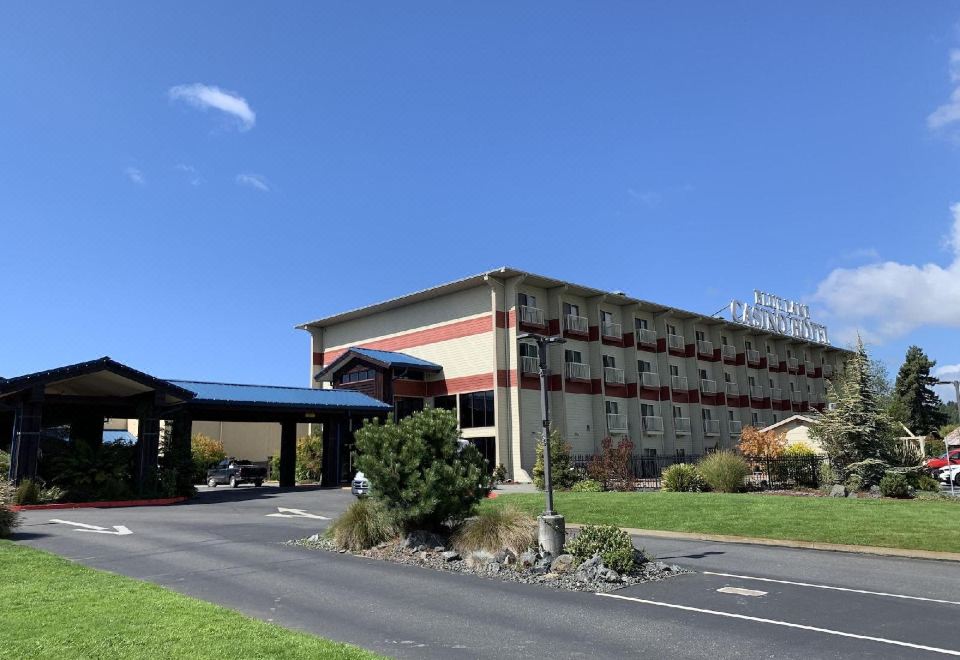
(270, 395)
(94, 377)
(802, 419)
(384, 359)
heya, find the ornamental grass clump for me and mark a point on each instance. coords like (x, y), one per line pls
(495, 529)
(724, 471)
(682, 478)
(364, 524)
(8, 518)
(587, 486)
(611, 543)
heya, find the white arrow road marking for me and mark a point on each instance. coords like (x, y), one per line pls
(295, 513)
(118, 530)
(741, 592)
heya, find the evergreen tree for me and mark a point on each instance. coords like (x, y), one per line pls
(915, 402)
(857, 426)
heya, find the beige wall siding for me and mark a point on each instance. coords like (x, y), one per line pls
(252, 441)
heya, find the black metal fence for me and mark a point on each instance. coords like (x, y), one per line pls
(782, 473)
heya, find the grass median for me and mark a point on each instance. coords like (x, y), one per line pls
(909, 524)
(53, 608)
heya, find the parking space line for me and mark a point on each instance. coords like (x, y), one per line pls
(786, 624)
(827, 586)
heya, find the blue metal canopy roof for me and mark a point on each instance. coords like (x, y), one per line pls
(393, 359)
(295, 397)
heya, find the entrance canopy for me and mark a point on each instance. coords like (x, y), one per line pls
(82, 395)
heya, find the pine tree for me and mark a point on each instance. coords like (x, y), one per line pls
(914, 398)
(857, 426)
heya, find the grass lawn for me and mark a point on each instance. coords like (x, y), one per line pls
(912, 524)
(53, 608)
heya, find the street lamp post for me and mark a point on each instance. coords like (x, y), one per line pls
(552, 527)
(956, 390)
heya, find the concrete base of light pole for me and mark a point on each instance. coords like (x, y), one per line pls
(553, 531)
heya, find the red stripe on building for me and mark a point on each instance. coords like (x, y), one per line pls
(476, 383)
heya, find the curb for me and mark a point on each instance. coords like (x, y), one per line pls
(806, 545)
(98, 505)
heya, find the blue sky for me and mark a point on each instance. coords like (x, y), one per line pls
(181, 184)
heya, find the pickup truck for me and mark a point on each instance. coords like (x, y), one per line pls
(235, 472)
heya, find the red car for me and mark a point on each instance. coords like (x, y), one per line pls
(941, 461)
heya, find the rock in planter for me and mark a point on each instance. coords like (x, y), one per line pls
(838, 490)
(563, 564)
(527, 559)
(479, 558)
(505, 557)
(450, 555)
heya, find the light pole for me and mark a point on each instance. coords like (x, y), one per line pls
(552, 526)
(956, 390)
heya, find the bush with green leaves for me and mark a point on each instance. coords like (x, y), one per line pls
(611, 543)
(309, 461)
(205, 453)
(611, 465)
(895, 484)
(724, 471)
(798, 464)
(4, 464)
(419, 470)
(587, 486)
(867, 472)
(828, 476)
(562, 473)
(497, 528)
(93, 472)
(927, 483)
(9, 518)
(27, 492)
(682, 478)
(364, 524)
(500, 474)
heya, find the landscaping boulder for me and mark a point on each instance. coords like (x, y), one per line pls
(563, 564)
(505, 557)
(422, 537)
(450, 555)
(874, 492)
(527, 559)
(838, 490)
(479, 559)
(588, 570)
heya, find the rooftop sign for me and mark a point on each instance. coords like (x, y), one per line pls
(775, 314)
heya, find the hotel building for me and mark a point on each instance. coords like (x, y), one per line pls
(674, 382)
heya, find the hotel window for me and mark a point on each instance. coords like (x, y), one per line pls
(706, 413)
(727, 377)
(526, 300)
(643, 366)
(529, 350)
(674, 370)
(789, 354)
(747, 344)
(701, 336)
(609, 361)
(613, 408)
(647, 410)
(640, 324)
(769, 348)
(356, 376)
(406, 406)
(476, 409)
(650, 453)
(723, 340)
(572, 356)
(751, 380)
(775, 419)
(732, 415)
(792, 387)
(703, 375)
(681, 452)
(771, 384)
(755, 419)
(671, 329)
(677, 412)
(446, 402)
(570, 309)
(605, 317)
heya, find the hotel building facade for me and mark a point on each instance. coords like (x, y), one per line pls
(674, 382)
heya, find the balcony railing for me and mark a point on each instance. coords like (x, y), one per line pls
(647, 337)
(827, 370)
(612, 331)
(616, 422)
(613, 375)
(776, 393)
(711, 427)
(796, 397)
(681, 425)
(650, 379)
(735, 426)
(529, 365)
(531, 315)
(704, 347)
(652, 424)
(773, 361)
(578, 371)
(753, 356)
(729, 352)
(675, 342)
(756, 392)
(793, 363)
(732, 389)
(577, 324)
(678, 383)
(708, 386)
(808, 368)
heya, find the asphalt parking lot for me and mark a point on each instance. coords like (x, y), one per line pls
(228, 546)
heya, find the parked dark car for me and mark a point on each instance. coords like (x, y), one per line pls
(235, 472)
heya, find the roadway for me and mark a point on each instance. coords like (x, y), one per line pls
(227, 546)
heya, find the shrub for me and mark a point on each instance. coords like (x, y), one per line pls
(309, 457)
(611, 543)
(854, 483)
(895, 484)
(363, 525)
(927, 483)
(869, 471)
(419, 471)
(798, 450)
(205, 452)
(724, 471)
(9, 519)
(27, 493)
(587, 486)
(828, 476)
(761, 444)
(798, 464)
(4, 464)
(495, 529)
(91, 472)
(682, 478)
(561, 471)
(934, 446)
(611, 466)
(500, 474)
(905, 454)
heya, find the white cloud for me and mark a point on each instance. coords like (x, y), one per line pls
(207, 96)
(192, 173)
(949, 112)
(888, 299)
(135, 175)
(255, 181)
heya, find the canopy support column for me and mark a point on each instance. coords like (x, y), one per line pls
(288, 454)
(28, 424)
